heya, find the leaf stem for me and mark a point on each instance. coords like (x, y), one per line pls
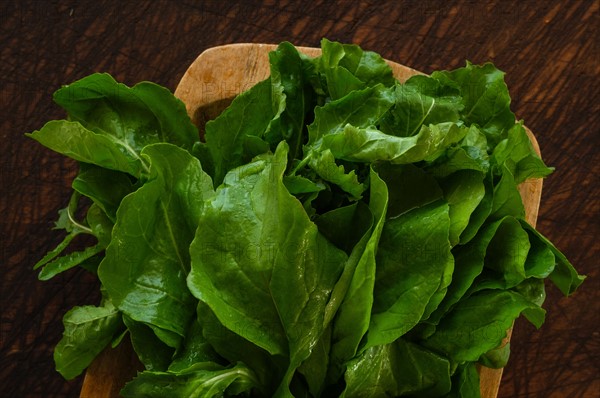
(302, 163)
(82, 227)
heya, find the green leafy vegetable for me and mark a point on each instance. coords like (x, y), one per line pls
(413, 262)
(106, 188)
(420, 101)
(398, 369)
(138, 116)
(227, 135)
(199, 380)
(289, 293)
(334, 233)
(88, 330)
(354, 290)
(87, 146)
(147, 262)
(465, 334)
(347, 68)
(485, 98)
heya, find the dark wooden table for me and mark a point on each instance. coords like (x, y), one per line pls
(550, 51)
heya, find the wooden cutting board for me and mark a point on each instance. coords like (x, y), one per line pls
(207, 87)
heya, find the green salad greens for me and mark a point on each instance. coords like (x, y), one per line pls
(334, 233)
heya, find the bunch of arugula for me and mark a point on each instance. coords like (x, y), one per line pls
(335, 233)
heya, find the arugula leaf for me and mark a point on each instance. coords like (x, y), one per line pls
(469, 154)
(352, 298)
(233, 348)
(464, 191)
(532, 289)
(299, 185)
(273, 240)
(541, 261)
(482, 211)
(413, 262)
(508, 252)
(410, 187)
(204, 379)
(248, 115)
(420, 101)
(97, 224)
(292, 98)
(111, 123)
(138, 116)
(465, 382)
(478, 324)
(371, 145)
(147, 261)
(194, 349)
(314, 368)
(496, 358)
(347, 68)
(485, 98)
(325, 166)
(507, 199)
(105, 187)
(469, 262)
(77, 142)
(65, 221)
(401, 368)
(360, 109)
(68, 261)
(88, 330)
(149, 348)
(346, 226)
(564, 275)
(517, 154)
(271, 111)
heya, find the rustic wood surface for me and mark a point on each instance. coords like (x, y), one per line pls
(550, 51)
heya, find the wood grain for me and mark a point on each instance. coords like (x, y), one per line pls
(550, 51)
(109, 372)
